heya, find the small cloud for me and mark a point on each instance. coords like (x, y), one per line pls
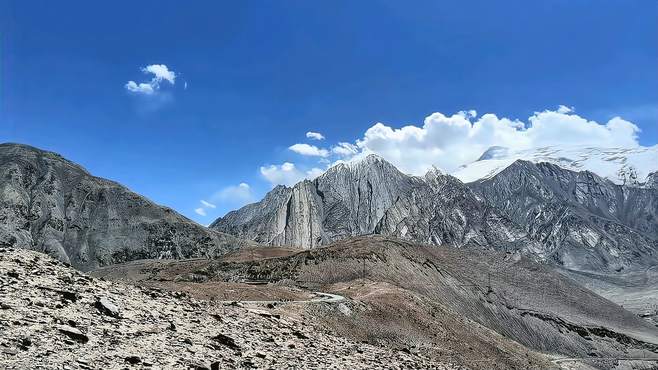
(208, 204)
(564, 109)
(200, 211)
(309, 150)
(142, 88)
(287, 174)
(239, 194)
(313, 173)
(160, 73)
(345, 149)
(314, 135)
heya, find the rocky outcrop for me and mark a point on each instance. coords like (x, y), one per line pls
(373, 197)
(349, 199)
(583, 222)
(50, 318)
(50, 204)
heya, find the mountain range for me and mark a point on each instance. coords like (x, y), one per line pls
(573, 219)
(576, 220)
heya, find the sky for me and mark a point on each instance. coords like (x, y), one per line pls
(205, 107)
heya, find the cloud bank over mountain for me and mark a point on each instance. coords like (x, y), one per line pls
(450, 141)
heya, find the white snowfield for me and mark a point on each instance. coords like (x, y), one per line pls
(629, 166)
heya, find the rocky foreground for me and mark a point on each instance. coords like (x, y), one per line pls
(54, 317)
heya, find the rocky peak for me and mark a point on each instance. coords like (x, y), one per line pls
(433, 174)
(651, 181)
(50, 204)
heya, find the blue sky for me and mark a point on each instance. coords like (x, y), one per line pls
(253, 77)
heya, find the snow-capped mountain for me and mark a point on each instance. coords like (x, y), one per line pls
(623, 166)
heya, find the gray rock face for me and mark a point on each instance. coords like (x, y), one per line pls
(584, 222)
(577, 220)
(50, 204)
(374, 197)
(652, 181)
(441, 210)
(349, 199)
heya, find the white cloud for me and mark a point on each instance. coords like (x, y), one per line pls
(142, 88)
(208, 204)
(314, 135)
(160, 73)
(345, 149)
(241, 194)
(309, 150)
(287, 174)
(450, 141)
(233, 196)
(564, 109)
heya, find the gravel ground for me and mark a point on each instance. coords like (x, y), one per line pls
(54, 317)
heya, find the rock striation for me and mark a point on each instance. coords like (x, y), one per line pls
(50, 318)
(583, 221)
(573, 219)
(53, 205)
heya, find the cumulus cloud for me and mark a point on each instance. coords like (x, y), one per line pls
(309, 150)
(160, 73)
(142, 88)
(451, 141)
(287, 173)
(314, 135)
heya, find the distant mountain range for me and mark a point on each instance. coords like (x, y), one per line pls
(577, 220)
(53, 205)
(622, 166)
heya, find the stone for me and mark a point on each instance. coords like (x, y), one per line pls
(107, 307)
(133, 360)
(73, 333)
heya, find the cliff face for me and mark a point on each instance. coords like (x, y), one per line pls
(349, 199)
(373, 197)
(50, 204)
(582, 220)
